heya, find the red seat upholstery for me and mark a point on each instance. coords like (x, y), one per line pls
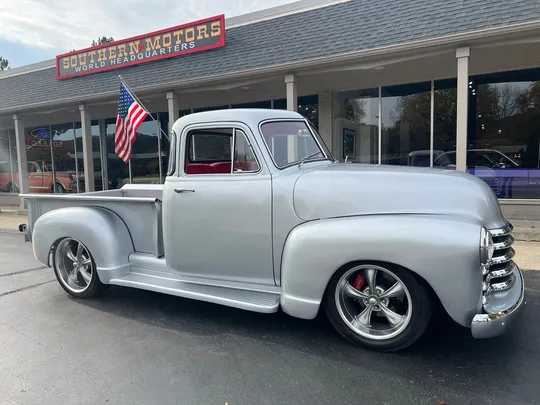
(199, 168)
(221, 167)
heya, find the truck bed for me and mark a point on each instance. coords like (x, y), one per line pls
(139, 206)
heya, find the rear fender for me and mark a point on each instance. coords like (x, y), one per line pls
(102, 231)
(444, 251)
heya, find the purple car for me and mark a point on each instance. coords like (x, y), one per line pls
(503, 174)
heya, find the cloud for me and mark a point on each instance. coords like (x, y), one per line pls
(74, 24)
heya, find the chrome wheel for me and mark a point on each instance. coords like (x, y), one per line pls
(74, 265)
(373, 302)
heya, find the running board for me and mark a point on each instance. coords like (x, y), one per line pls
(257, 301)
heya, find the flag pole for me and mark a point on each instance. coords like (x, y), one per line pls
(140, 102)
(130, 176)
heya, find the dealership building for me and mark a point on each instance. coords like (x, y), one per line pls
(442, 83)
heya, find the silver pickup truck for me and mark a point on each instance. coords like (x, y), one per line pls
(256, 214)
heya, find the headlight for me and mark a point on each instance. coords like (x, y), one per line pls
(486, 246)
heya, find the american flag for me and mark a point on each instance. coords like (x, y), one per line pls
(130, 116)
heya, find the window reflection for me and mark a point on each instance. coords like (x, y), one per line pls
(9, 180)
(118, 171)
(357, 124)
(63, 165)
(50, 153)
(144, 155)
(503, 140)
(406, 117)
(444, 124)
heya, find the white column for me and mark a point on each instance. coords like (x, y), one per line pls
(172, 103)
(292, 92)
(326, 118)
(21, 155)
(462, 55)
(88, 153)
(292, 105)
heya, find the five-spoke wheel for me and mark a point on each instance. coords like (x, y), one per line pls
(75, 268)
(377, 306)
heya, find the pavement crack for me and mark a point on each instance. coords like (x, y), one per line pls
(23, 271)
(25, 288)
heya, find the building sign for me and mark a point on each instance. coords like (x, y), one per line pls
(184, 39)
(40, 138)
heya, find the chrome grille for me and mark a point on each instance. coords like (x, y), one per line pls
(499, 274)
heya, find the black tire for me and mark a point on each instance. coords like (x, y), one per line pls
(420, 314)
(95, 286)
(12, 188)
(58, 188)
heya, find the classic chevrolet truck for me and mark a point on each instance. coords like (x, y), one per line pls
(256, 214)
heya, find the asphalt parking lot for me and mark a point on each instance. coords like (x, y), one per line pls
(138, 347)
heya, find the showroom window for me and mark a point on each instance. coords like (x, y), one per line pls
(504, 132)
(406, 120)
(8, 162)
(357, 124)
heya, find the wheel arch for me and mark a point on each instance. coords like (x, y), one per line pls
(101, 230)
(433, 295)
(315, 251)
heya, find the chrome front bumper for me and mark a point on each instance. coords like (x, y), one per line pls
(503, 289)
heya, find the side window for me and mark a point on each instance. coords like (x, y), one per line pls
(211, 152)
(244, 158)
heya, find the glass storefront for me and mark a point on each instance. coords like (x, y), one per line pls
(418, 127)
(357, 124)
(406, 120)
(8, 162)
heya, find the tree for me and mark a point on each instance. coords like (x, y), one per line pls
(4, 64)
(355, 109)
(311, 112)
(102, 40)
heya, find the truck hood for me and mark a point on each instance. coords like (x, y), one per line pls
(341, 189)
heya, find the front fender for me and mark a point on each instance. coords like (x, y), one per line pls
(443, 250)
(102, 231)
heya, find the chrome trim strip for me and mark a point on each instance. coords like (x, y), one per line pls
(506, 271)
(505, 230)
(504, 258)
(504, 244)
(498, 287)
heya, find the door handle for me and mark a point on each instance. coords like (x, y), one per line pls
(183, 190)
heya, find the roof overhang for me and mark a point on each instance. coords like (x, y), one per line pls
(517, 33)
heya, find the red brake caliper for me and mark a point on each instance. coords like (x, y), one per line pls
(359, 282)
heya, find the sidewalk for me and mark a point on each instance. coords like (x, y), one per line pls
(526, 233)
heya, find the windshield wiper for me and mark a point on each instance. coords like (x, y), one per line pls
(308, 157)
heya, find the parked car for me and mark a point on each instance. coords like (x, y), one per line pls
(256, 214)
(41, 179)
(502, 173)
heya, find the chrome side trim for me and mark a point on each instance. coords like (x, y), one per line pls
(506, 230)
(504, 244)
(497, 287)
(504, 258)
(506, 271)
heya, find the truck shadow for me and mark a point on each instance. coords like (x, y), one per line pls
(445, 355)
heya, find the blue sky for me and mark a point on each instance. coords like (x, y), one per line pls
(37, 30)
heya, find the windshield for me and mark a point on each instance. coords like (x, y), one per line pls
(290, 142)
